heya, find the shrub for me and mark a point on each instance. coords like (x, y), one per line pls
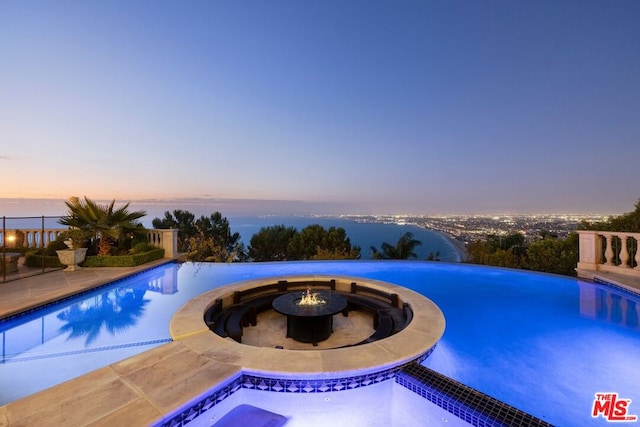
(123, 260)
(56, 245)
(40, 258)
(141, 247)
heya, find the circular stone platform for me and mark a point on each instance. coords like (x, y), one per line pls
(414, 342)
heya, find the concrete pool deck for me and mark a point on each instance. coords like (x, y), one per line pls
(26, 290)
(144, 388)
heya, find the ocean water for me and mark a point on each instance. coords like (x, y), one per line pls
(363, 234)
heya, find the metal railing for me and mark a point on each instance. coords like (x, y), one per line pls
(21, 234)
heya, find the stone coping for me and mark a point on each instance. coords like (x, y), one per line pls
(411, 343)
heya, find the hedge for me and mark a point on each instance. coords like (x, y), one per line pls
(123, 260)
(34, 259)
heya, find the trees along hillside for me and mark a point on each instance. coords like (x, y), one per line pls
(214, 241)
(403, 249)
(205, 239)
(628, 222)
(108, 226)
(314, 242)
(183, 221)
(553, 255)
(270, 243)
(500, 251)
(548, 253)
(336, 245)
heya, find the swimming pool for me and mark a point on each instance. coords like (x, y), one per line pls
(544, 344)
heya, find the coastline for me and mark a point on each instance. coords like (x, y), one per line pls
(458, 247)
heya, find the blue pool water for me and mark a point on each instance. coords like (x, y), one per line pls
(544, 344)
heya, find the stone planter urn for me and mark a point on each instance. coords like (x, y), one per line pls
(72, 257)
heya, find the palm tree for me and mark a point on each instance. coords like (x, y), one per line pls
(402, 250)
(105, 223)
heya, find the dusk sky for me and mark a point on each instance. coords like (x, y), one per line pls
(378, 107)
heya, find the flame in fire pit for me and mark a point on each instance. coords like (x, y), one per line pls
(311, 298)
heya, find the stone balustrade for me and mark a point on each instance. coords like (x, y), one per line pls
(40, 237)
(29, 237)
(609, 251)
(166, 239)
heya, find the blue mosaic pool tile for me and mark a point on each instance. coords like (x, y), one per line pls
(286, 385)
(277, 385)
(466, 403)
(281, 385)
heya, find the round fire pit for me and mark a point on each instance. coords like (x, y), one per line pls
(309, 315)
